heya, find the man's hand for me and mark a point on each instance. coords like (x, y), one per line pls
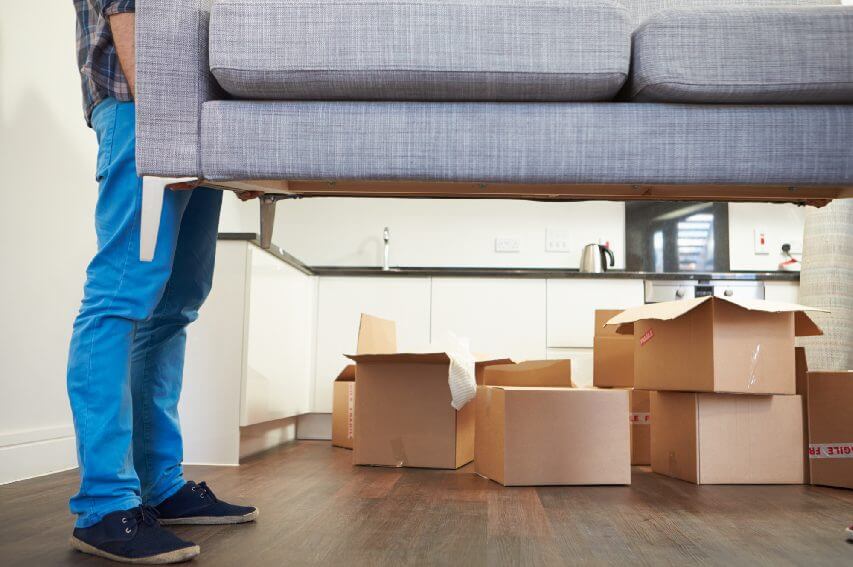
(124, 37)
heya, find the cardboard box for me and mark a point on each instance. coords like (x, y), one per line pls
(641, 434)
(830, 402)
(541, 373)
(343, 407)
(714, 344)
(612, 353)
(403, 416)
(374, 335)
(727, 438)
(552, 436)
(802, 370)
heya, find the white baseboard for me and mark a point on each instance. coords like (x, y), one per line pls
(316, 426)
(30, 459)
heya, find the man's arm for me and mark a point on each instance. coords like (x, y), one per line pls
(123, 26)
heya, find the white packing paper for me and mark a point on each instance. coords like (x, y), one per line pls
(461, 376)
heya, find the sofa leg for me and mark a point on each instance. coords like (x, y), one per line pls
(268, 203)
(152, 208)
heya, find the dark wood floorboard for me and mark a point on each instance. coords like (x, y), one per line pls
(317, 509)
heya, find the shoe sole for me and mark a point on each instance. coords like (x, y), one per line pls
(210, 520)
(177, 556)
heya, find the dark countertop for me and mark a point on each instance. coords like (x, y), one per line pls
(551, 273)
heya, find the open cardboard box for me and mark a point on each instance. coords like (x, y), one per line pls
(708, 438)
(374, 335)
(403, 412)
(830, 425)
(715, 344)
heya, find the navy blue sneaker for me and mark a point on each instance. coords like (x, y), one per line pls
(196, 504)
(133, 536)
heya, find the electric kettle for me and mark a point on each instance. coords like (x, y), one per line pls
(594, 258)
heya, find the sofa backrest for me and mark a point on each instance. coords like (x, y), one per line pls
(641, 9)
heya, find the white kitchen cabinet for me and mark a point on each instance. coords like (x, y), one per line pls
(213, 368)
(250, 355)
(788, 292)
(501, 316)
(280, 331)
(581, 363)
(342, 300)
(572, 304)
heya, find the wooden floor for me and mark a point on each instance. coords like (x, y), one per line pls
(317, 509)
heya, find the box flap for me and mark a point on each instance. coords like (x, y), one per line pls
(538, 373)
(376, 335)
(347, 374)
(668, 310)
(662, 311)
(542, 388)
(419, 357)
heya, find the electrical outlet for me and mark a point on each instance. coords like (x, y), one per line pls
(557, 240)
(507, 244)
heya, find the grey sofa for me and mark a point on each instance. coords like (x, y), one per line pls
(541, 99)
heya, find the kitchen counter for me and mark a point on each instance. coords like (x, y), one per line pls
(550, 273)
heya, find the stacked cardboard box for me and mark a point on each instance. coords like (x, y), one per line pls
(533, 428)
(830, 423)
(613, 367)
(722, 376)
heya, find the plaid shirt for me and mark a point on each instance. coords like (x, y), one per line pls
(100, 72)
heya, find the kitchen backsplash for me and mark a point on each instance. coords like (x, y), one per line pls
(485, 233)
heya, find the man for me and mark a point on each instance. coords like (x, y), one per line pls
(127, 348)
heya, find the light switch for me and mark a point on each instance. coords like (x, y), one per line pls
(761, 241)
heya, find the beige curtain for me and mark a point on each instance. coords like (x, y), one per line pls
(826, 281)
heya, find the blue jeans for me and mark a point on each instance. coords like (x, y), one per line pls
(127, 349)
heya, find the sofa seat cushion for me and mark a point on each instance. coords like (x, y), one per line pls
(745, 55)
(528, 142)
(486, 50)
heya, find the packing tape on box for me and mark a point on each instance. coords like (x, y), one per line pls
(461, 377)
(753, 366)
(640, 418)
(831, 450)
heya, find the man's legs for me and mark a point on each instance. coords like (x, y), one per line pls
(120, 292)
(158, 352)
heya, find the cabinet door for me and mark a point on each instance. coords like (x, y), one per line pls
(279, 340)
(572, 304)
(501, 317)
(340, 305)
(581, 363)
(214, 364)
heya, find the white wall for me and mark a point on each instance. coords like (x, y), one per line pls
(448, 232)
(47, 160)
(781, 224)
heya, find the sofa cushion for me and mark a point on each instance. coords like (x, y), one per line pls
(745, 55)
(487, 50)
(528, 142)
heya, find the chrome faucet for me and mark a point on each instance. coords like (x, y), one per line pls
(386, 237)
